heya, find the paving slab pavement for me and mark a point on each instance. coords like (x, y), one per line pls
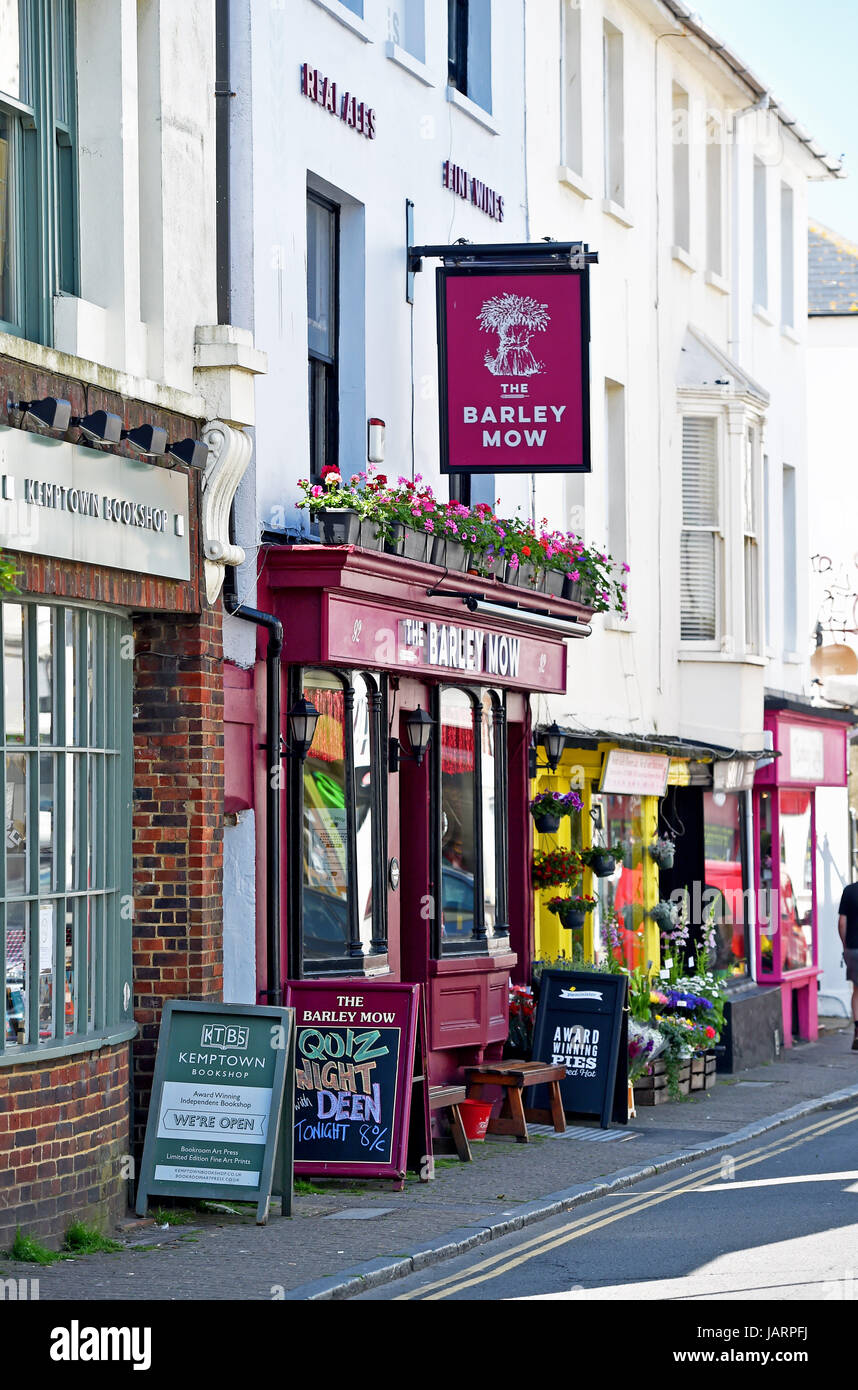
(345, 1237)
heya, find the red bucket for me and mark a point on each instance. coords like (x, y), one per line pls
(475, 1117)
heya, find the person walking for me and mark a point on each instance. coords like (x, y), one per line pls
(847, 925)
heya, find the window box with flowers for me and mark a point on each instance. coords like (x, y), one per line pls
(406, 517)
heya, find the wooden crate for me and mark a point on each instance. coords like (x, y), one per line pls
(703, 1071)
(653, 1089)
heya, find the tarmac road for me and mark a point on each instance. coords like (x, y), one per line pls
(775, 1219)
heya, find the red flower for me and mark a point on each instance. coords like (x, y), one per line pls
(329, 468)
(525, 550)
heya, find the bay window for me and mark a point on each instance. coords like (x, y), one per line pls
(38, 163)
(65, 777)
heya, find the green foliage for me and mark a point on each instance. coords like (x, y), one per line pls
(85, 1240)
(8, 574)
(31, 1251)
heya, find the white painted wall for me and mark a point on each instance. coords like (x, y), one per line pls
(239, 910)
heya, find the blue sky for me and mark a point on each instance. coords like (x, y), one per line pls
(806, 55)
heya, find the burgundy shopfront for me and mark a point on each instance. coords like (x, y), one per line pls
(390, 868)
(812, 753)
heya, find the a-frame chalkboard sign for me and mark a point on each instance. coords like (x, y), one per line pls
(361, 1095)
(582, 1024)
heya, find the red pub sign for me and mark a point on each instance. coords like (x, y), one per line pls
(514, 370)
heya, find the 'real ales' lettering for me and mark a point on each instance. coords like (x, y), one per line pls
(359, 115)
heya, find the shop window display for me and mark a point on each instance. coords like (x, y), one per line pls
(795, 834)
(726, 879)
(620, 898)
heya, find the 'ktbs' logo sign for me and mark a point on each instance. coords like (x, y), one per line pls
(514, 371)
(224, 1035)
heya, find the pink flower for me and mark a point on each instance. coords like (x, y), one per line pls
(415, 511)
(316, 491)
(574, 575)
(428, 526)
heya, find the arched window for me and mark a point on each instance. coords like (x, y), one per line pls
(340, 810)
(469, 820)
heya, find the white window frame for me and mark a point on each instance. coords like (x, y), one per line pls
(690, 410)
(571, 159)
(613, 114)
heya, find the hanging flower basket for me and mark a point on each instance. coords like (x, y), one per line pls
(602, 862)
(664, 915)
(662, 852)
(549, 808)
(555, 868)
(572, 911)
(547, 823)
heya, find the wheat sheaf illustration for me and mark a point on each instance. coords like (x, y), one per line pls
(514, 318)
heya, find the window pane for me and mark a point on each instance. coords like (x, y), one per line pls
(458, 791)
(47, 823)
(10, 48)
(70, 963)
(796, 887)
(325, 838)
(698, 592)
(725, 880)
(8, 305)
(488, 767)
(46, 969)
(321, 238)
(17, 858)
(13, 671)
(17, 967)
(45, 673)
(72, 625)
(620, 915)
(363, 806)
(766, 920)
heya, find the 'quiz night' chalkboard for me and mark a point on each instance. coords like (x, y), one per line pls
(356, 1047)
(581, 1023)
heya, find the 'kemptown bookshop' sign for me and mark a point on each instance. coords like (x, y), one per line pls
(75, 503)
(218, 1124)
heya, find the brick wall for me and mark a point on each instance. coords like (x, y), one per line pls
(63, 1137)
(178, 826)
(177, 866)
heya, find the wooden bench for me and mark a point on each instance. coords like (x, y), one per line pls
(448, 1099)
(513, 1076)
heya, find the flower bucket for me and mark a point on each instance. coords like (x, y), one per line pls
(475, 1118)
(554, 582)
(547, 824)
(449, 554)
(662, 856)
(573, 590)
(339, 526)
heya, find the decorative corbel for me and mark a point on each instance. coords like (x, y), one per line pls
(229, 455)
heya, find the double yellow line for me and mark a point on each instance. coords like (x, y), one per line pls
(495, 1265)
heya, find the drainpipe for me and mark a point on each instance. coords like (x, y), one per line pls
(223, 94)
(274, 627)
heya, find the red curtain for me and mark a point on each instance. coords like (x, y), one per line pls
(457, 749)
(329, 745)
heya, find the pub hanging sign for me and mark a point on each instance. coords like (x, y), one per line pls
(513, 348)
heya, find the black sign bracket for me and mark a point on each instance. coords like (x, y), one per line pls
(570, 255)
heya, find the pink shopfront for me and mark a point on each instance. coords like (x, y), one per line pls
(406, 840)
(811, 745)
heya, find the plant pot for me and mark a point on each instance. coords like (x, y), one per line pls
(603, 865)
(662, 915)
(493, 566)
(371, 536)
(554, 582)
(526, 575)
(652, 1089)
(571, 917)
(663, 857)
(475, 1118)
(573, 590)
(451, 555)
(415, 545)
(339, 526)
(547, 824)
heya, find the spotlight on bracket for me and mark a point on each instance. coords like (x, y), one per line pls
(101, 427)
(51, 411)
(150, 441)
(193, 453)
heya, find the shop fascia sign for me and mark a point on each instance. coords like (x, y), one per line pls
(634, 774)
(381, 637)
(358, 115)
(513, 357)
(733, 775)
(73, 503)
